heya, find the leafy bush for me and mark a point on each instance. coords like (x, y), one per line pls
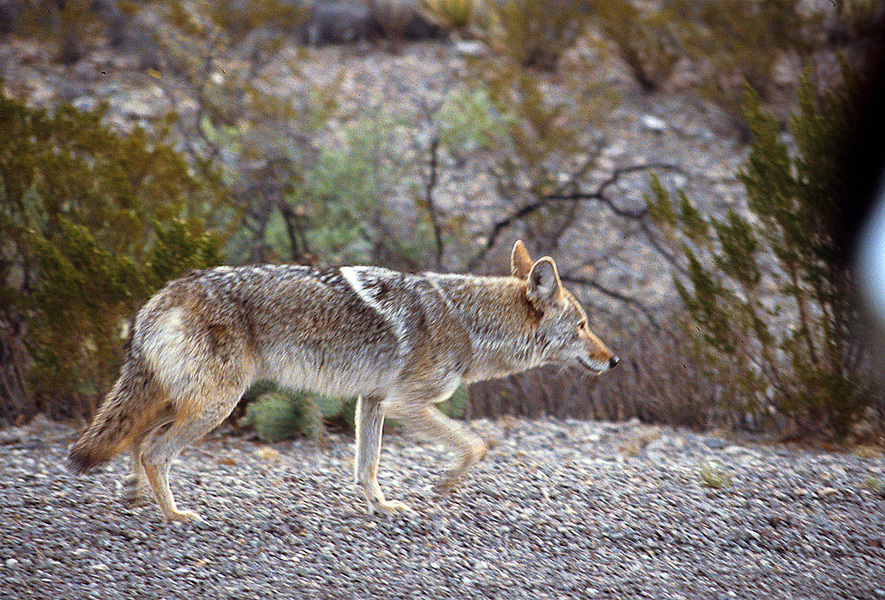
(278, 413)
(532, 33)
(451, 14)
(73, 24)
(725, 44)
(469, 121)
(741, 41)
(220, 66)
(342, 195)
(92, 221)
(775, 309)
(648, 41)
(537, 157)
(713, 476)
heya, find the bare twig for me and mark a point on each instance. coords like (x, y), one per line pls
(428, 199)
(300, 249)
(629, 300)
(614, 178)
(598, 194)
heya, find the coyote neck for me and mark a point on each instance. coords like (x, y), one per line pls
(501, 323)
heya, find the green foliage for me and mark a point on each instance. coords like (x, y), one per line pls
(774, 311)
(330, 407)
(648, 40)
(470, 121)
(725, 44)
(92, 221)
(531, 33)
(456, 405)
(536, 149)
(278, 413)
(537, 132)
(73, 25)
(227, 57)
(343, 194)
(180, 247)
(360, 199)
(451, 14)
(713, 476)
(742, 39)
(873, 484)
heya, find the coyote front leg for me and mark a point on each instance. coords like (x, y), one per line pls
(469, 449)
(369, 422)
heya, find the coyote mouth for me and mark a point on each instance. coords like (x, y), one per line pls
(596, 367)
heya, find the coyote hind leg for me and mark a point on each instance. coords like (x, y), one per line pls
(469, 449)
(138, 488)
(369, 423)
(190, 424)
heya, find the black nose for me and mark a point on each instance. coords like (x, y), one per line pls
(613, 362)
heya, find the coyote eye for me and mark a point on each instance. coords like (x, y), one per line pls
(582, 325)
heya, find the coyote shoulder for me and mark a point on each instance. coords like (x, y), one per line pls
(400, 342)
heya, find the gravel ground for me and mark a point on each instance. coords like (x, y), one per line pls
(557, 510)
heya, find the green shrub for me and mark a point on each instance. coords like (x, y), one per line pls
(727, 43)
(346, 188)
(649, 41)
(451, 14)
(92, 221)
(775, 309)
(353, 205)
(532, 33)
(227, 58)
(538, 156)
(278, 413)
(456, 406)
(469, 121)
(714, 476)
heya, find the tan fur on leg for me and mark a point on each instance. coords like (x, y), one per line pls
(369, 424)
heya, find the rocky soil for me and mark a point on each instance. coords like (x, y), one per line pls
(557, 510)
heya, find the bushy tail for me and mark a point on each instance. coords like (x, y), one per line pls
(128, 408)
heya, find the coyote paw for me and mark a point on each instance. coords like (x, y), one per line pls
(134, 497)
(182, 516)
(446, 485)
(473, 455)
(135, 493)
(386, 507)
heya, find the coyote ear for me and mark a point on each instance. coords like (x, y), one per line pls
(543, 282)
(520, 261)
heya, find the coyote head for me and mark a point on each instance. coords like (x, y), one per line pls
(562, 329)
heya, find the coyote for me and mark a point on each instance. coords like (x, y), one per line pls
(400, 342)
